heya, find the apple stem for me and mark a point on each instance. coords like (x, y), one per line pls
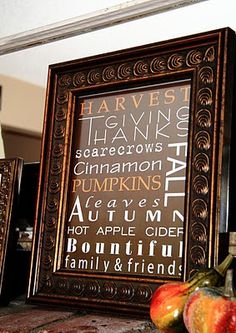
(222, 268)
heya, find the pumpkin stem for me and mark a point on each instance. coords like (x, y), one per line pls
(222, 268)
(229, 288)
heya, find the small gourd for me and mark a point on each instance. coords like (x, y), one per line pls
(212, 310)
(168, 301)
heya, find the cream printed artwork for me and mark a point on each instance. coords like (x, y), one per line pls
(129, 166)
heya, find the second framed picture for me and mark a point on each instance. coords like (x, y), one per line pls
(10, 181)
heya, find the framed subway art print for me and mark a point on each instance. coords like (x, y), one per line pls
(133, 173)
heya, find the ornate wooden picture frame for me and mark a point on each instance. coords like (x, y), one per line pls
(134, 172)
(10, 178)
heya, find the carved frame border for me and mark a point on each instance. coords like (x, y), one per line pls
(208, 60)
(10, 172)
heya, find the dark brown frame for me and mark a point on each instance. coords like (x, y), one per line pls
(207, 60)
(10, 171)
